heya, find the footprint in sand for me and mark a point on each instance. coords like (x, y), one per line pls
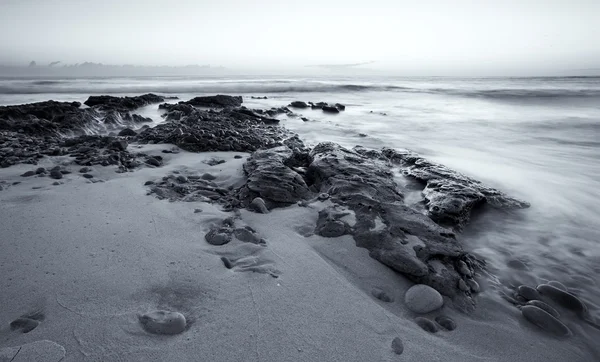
(163, 322)
(27, 322)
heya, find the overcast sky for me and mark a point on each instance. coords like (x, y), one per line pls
(406, 36)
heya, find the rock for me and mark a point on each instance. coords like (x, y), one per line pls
(37, 351)
(463, 268)
(381, 295)
(214, 162)
(545, 321)
(329, 224)
(548, 309)
(182, 179)
(323, 196)
(56, 183)
(118, 145)
(219, 100)
(163, 322)
(473, 285)
(87, 175)
(397, 345)
(564, 299)
(147, 183)
(122, 103)
(247, 236)
(259, 206)
(269, 178)
(56, 174)
(85, 170)
(153, 161)
(298, 104)
(127, 132)
(341, 107)
(449, 196)
(401, 259)
(228, 264)
(40, 171)
(218, 236)
(237, 157)
(446, 322)
(558, 285)
(422, 298)
(28, 174)
(196, 211)
(528, 293)
(208, 176)
(426, 324)
(330, 109)
(517, 264)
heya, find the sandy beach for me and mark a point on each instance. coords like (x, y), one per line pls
(93, 256)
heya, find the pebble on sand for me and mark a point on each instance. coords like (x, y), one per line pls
(397, 346)
(563, 298)
(87, 175)
(163, 322)
(56, 174)
(382, 295)
(426, 324)
(422, 298)
(528, 293)
(446, 322)
(28, 174)
(538, 303)
(218, 237)
(258, 205)
(545, 321)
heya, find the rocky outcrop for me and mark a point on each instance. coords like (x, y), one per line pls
(231, 129)
(450, 197)
(272, 180)
(218, 101)
(122, 104)
(394, 233)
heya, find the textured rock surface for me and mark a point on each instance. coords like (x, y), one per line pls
(450, 196)
(220, 100)
(122, 103)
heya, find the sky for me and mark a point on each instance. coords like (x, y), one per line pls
(406, 37)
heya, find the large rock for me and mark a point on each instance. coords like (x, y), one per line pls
(422, 299)
(395, 234)
(272, 180)
(545, 321)
(122, 104)
(450, 196)
(220, 100)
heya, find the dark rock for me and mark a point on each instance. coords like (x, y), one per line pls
(226, 262)
(118, 145)
(220, 235)
(397, 346)
(548, 309)
(270, 179)
(127, 132)
(330, 109)
(28, 174)
(214, 162)
(329, 224)
(248, 236)
(182, 179)
(446, 322)
(545, 321)
(153, 161)
(40, 170)
(219, 100)
(84, 170)
(87, 175)
(564, 299)
(340, 107)
(298, 104)
(426, 324)
(381, 295)
(56, 174)
(450, 196)
(122, 103)
(237, 157)
(147, 183)
(528, 293)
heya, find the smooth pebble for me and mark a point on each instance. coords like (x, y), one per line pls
(422, 298)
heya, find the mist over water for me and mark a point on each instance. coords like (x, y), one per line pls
(537, 139)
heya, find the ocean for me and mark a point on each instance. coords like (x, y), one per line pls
(537, 139)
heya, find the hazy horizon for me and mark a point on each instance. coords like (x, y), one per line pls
(327, 36)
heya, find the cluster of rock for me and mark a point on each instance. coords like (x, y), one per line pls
(325, 107)
(32, 131)
(539, 306)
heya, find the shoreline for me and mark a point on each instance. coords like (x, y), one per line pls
(290, 250)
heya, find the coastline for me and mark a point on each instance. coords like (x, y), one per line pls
(320, 306)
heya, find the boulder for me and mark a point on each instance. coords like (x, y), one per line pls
(330, 109)
(298, 104)
(122, 104)
(218, 101)
(127, 132)
(545, 321)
